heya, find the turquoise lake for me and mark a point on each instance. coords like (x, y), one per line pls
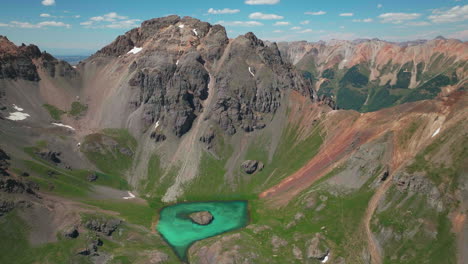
(180, 232)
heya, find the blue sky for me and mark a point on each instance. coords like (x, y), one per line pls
(83, 26)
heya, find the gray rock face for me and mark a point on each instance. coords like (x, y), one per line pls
(208, 138)
(15, 186)
(4, 163)
(105, 226)
(252, 78)
(418, 183)
(71, 232)
(6, 206)
(251, 166)
(19, 62)
(158, 137)
(316, 249)
(51, 156)
(92, 248)
(16, 62)
(171, 79)
(201, 218)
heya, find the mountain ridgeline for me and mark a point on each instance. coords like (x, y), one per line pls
(342, 151)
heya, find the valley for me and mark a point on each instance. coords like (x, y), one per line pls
(337, 152)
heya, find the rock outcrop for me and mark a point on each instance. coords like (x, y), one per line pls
(23, 62)
(316, 249)
(202, 218)
(52, 156)
(251, 166)
(4, 163)
(105, 226)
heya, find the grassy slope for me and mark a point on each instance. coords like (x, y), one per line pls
(421, 233)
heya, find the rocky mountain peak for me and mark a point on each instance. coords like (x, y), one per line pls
(166, 33)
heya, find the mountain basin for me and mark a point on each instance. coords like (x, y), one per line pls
(180, 231)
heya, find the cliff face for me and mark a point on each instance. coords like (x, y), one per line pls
(179, 57)
(22, 62)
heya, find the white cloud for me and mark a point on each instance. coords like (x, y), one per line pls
(455, 14)
(87, 23)
(112, 16)
(262, 2)
(398, 18)
(53, 24)
(306, 31)
(379, 6)
(77, 16)
(346, 14)
(318, 13)
(43, 24)
(418, 24)
(305, 22)
(278, 31)
(462, 35)
(366, 20)
(223, 11)
(48, 2)
(3, 25)
(131, 23)
(44, 15)
(240, 23)
(295, 28)
(110, 20)
(259, 15)
(281, 23)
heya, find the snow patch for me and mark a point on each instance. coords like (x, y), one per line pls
(17, 116)
(157, 124)
(250, 70)
(17, 108)
(74, 67)
(436, 132)
(181, 26)
(195, 32)
(325, 259)
(62, 125)
(130, 196)
(177, 62)
(135, 50)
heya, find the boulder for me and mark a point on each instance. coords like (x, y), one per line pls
(71, 232)
(201, 218)
(126, 151)
(252, 166)
(92, 177)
